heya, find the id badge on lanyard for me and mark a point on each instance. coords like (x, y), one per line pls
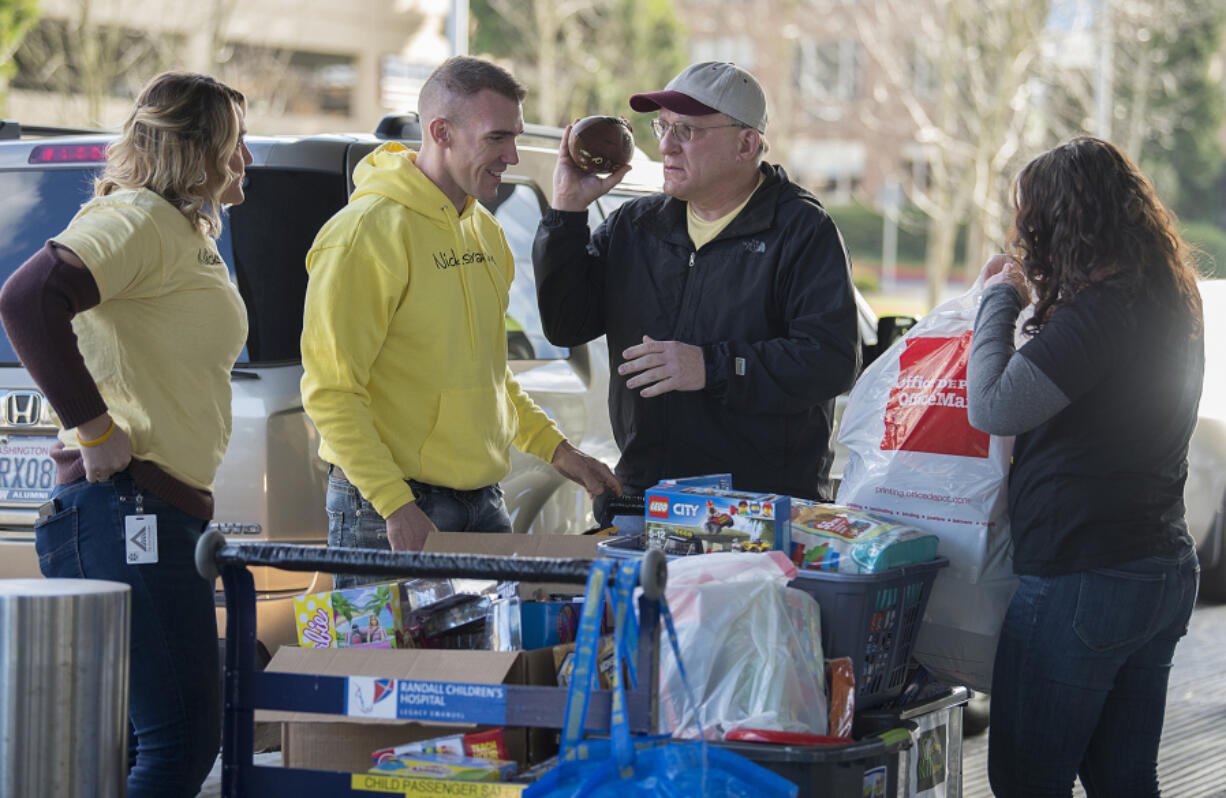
(140, 536)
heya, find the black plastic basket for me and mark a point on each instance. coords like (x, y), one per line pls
(874, 620)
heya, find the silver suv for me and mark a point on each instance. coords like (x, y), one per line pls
(271, 483)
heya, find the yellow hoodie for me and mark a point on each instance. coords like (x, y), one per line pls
(404, 341)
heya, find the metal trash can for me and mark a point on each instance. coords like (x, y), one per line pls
(64, 687)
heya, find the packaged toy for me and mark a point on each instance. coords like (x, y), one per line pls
(719, 519)
(721, 481)
(488, 744)
(446, 766)
(367, 616)
(829, 537)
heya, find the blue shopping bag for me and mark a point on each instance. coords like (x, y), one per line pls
(625, 766)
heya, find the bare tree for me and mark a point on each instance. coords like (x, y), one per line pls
(581, 56)
(552, 42)
(969, 117)
(1010, 78)
(80, 56)
(1156, 97)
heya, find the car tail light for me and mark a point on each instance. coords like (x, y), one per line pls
(68, 153)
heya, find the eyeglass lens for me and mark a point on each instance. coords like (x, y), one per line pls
(681, 132)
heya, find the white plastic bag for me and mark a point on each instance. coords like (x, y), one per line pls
(751, 647)
(914, 457)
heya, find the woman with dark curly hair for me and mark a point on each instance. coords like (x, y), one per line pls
(129, 324)
(1102, 398)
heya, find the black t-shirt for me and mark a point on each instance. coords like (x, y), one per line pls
(1102, 481)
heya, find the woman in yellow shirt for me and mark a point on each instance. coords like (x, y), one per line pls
(129, 324)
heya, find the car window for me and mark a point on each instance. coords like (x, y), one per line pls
(38, 204)
(264, 241)
(518, 209)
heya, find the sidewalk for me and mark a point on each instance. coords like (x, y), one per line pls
(1191, 762)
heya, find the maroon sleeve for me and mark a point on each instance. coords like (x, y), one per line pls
(37, 304)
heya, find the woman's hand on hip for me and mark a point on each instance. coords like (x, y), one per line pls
(104, 450)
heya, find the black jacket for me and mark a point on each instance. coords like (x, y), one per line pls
(770, 301)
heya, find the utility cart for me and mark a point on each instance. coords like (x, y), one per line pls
(247, 689)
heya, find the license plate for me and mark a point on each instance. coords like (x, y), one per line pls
(27, 472)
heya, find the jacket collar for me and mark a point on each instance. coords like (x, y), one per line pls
(665, 219)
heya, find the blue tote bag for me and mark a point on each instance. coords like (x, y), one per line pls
(625, 766)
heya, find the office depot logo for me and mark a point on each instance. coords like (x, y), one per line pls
(657, 506)
(926, 409)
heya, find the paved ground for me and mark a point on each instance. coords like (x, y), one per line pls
(1192, 760)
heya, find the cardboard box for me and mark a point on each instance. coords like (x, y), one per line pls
(335, 742)
(727, 519)
(576, 546)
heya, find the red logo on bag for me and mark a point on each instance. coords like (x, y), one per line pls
(926, 411)
(657, 507)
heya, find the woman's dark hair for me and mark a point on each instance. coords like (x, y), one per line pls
(1086, 213)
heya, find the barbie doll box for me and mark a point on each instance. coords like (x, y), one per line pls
(367, 616)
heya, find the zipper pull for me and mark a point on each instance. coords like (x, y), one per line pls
(692, 256)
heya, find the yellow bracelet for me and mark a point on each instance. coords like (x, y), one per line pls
(97, 441)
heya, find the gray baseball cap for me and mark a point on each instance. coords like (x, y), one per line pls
(710, 87)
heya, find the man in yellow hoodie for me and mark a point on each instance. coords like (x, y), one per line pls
(404, 334)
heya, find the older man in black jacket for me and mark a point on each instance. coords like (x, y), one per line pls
(727, 299)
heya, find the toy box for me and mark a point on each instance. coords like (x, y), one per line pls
(446, 766)
(719, 519)
(721, 481)
(549, 623)
(829, 537)
(367, 616)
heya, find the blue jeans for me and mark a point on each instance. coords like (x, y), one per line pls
(353, 522)
(1080, 680)
(174, 678)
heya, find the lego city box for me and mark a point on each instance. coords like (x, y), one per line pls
(717, 518)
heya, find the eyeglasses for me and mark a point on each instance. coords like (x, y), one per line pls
(681, 131)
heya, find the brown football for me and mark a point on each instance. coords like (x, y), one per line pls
(601, 144)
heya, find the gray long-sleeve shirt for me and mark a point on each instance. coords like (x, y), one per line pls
(1006, 393)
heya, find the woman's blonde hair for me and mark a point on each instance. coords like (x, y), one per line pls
(184, 126)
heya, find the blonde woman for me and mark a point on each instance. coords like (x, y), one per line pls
(129, 324)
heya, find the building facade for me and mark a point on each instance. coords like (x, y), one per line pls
(305, 65)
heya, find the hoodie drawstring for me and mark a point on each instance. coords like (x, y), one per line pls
(454, 219)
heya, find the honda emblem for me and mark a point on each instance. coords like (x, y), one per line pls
(22, 408)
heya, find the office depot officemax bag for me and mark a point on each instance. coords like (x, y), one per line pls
(915, 458)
